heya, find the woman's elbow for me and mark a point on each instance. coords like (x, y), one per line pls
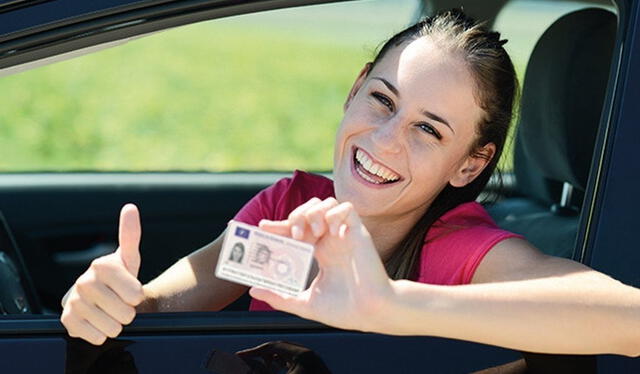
(633, 349)
(630, 346)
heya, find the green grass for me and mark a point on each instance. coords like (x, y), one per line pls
(213, 98)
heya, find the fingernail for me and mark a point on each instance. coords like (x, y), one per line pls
(333, 228)
(315, 228)
(342, 230)
(296, 232)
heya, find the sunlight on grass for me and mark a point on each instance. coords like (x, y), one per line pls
(246, 93)
(256, 92)
(247, 103)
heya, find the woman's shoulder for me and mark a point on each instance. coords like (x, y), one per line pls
(278, 200)
(305, 178)
(288, 193)
(457, 242)
(468, 222)
(311, 184)
(466, 215)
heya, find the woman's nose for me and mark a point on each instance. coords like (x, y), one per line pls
(388, 136)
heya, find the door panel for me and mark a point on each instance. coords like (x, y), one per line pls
(343, 352)
(61, 222)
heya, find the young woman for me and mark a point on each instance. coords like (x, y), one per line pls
(424, 126)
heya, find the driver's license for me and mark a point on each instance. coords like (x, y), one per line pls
(254, 257)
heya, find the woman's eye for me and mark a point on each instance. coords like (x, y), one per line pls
(384, 100)
(430, 130)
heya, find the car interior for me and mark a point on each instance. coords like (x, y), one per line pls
(562, 97)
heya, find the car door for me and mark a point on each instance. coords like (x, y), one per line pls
(64, 215)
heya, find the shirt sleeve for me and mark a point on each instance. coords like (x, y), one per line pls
(488, 239)
(264, 204)
(453, 258)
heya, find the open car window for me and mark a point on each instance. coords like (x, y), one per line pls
(254, 92)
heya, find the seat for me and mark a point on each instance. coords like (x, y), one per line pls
(17, 294)
(562, 99)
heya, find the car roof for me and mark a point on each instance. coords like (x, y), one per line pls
(37, 32)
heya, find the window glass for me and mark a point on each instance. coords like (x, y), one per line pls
(253, 92)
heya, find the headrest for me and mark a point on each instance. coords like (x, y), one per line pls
(562, 97)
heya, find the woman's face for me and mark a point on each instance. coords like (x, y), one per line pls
(407, 131)
(237, 252)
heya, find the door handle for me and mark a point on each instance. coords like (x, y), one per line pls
(85, 256)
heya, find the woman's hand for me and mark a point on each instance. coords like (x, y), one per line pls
(104, 298)
(352, 286)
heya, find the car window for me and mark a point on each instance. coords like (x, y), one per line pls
(254, 92)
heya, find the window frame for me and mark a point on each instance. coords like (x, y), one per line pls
(598, 224)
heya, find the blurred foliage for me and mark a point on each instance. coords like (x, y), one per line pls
(257, 92)
(214, 98)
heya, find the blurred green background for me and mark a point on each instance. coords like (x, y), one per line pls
(255, 92)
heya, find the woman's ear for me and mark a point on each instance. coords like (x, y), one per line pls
(473, 165)
(358, 83)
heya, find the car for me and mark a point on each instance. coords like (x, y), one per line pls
(568, 186)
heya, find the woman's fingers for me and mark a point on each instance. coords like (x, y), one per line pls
(341, 217)
(310, 221)
(87, 321)
(315, 216)
(112, 273)
(107, 300)
(297, 219)
(80, 328)
(102, 299)
(276, 227)
(99, 319)
(284, 303)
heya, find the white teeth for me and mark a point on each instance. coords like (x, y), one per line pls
(374, 168)
(365, 176)
(367, 163)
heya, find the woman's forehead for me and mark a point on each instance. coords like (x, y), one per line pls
(425, 73)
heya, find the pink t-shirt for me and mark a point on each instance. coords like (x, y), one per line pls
(454, 245)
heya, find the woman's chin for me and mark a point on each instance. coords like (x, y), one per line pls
(365, 206)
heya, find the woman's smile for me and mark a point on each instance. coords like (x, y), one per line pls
(370, 171)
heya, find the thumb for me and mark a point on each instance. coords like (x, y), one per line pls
(276, 227)
(129, 232)
(283, 303)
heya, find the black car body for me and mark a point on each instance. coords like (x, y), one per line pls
(49, 216)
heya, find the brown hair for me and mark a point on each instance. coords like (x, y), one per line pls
(495, 91)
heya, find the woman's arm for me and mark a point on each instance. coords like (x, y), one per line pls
(525, 300)
(191, 285)
(533, 302)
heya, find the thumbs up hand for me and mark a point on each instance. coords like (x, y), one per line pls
(104, 298)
